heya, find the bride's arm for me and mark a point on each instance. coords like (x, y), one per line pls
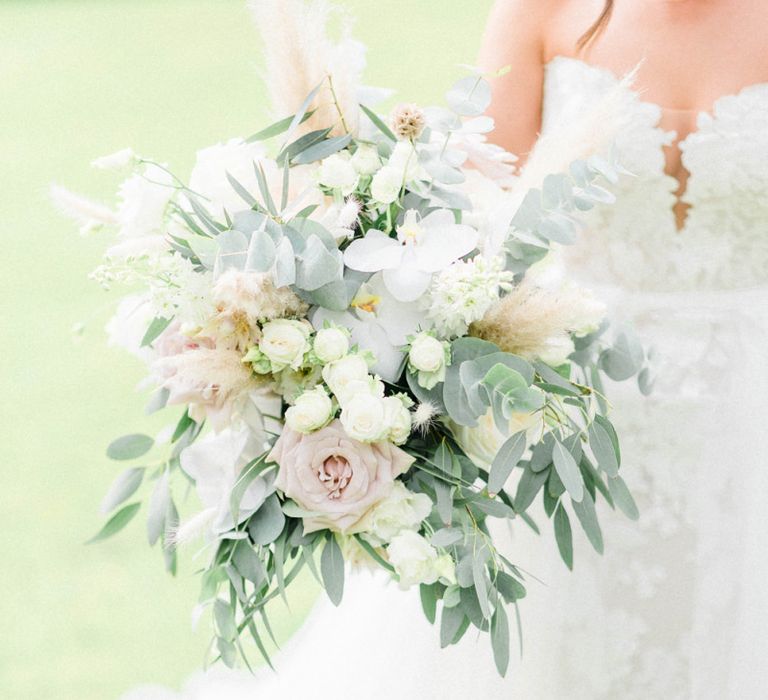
(514, 36)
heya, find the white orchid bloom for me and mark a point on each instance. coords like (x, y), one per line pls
(379, 323)
(422, 247)
(215, 464)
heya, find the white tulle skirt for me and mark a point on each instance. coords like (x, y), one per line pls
(677, 608)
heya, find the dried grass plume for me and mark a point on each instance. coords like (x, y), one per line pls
(299, 54)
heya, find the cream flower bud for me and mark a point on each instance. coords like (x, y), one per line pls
(556, 350)
(408, 121)
(331, 344)
(341, 375)
(366, 160)
(416, 561)
(337, 173)
(401, 510)
(429, 357)
(386, 184)
(397, 418)
(312, 410)
(364, 418)
(285, 342)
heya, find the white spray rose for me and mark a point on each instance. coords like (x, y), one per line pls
(556, 350)
(331, 344)
(364, 418)
(482, 443)
(386, 185)
(416, 561)
(338, 173)
(405, 160)
(397, 418)
(366, 160)
(312, 410)
(429, 357)
(401, 510)
(285, 342)
(344, 376)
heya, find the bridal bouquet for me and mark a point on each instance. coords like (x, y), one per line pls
(369, 357)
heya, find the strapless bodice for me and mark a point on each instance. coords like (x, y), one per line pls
(635, 242)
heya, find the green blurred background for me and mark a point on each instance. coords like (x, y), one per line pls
(79, 79)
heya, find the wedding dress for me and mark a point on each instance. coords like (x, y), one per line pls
(678, 605)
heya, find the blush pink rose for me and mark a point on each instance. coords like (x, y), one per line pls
(336, 478)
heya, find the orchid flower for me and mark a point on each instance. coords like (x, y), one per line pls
(378, 323)
(422, 247)
(214, 464)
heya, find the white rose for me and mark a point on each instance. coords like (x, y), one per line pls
(386, 185)
(331, 344)
(340, 374)
(482, 443)
(363, 418)
(285, 342)
(312, 410)
(416, 561)
(405, 160)
(589, 312)
(366, 160)
(338, 173)
(429, 357)
(397, 418)
(401, 510)
(556, 350)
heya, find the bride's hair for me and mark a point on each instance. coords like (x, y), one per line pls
(598, 25)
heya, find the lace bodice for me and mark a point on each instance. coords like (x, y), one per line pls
(635, 243)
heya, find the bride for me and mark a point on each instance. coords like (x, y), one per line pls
(678, 605)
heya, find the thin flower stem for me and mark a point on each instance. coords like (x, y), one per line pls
(337, 105)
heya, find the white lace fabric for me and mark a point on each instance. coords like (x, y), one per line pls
(675, 608)
(635, 243)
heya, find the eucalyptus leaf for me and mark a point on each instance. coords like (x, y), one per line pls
(529, 485)
(116, 523)
(505, 461)
(249, 565)
(568, 471)
(323, 149)
(585, 512)
(451, 620)
(268, 522)
(510, 588)
(332, 569)
(564, 535)
(158, 508)
(624, 359)
(428, 602)
(603, 449)
(500, 640)
(378, 122)
(157, 326)
(446, 536)
(225, 620)
(623, 498)
(122, 488)
(470, 96)
(130, 447)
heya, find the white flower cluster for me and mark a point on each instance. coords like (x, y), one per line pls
(175, 287)
(463, 292)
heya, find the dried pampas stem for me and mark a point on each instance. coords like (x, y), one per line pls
(300, 55)
(593, 132)
(526, 321)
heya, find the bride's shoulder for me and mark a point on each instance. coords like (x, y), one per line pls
(554, 24)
